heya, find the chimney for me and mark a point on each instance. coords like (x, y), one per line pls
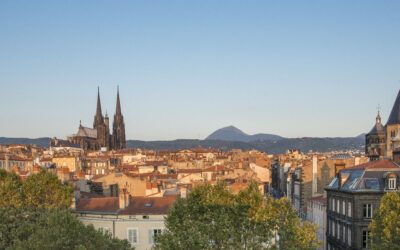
(123, 199)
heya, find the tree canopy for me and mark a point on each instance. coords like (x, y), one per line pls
(385, 225)
(45, 190)
(41, 190)
(34, 215)
(212, 217)
(23, 228)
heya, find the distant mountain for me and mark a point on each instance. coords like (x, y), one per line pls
(271, 147)
(232, 133)
(42, 142)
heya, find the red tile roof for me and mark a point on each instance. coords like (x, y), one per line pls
(147, 205)
(385, 164)
(137, 205)
(98, 205)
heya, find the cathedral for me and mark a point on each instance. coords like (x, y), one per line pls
(383, 141)
(99, 136)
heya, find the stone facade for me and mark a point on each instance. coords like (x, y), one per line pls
(381, 141)
(353, 196)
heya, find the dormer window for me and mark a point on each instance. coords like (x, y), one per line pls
(390, 180)
(392, 183)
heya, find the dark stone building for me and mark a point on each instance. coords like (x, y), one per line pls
(353, 195)
(99, 136)
(381, 141)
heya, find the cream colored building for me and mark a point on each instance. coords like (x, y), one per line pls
(73, 163)
(138, 220)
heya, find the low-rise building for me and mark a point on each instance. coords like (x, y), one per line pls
(136, 219)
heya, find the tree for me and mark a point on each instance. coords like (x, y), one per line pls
(51, 229)
(293, 234)
(212, 217)
(44, 190)
(385, 225)
(10, 189)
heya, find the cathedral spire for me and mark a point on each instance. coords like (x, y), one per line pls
(98, 109)
(118, 108)
(98, 119)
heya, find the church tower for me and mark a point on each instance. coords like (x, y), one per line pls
(101, 126)
(119, 140)
(393, 127)
(375, 143)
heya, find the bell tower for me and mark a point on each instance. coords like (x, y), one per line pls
(119, 140)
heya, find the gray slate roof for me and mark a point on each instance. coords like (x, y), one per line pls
(394, 117)
(87, 132)
(364, 178)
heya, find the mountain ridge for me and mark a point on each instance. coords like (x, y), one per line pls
(232, 133)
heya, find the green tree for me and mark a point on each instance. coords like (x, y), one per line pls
(44, 190)
(212, 217)
(385, 225)
(46, 229)
(292, 232)
(10, 189)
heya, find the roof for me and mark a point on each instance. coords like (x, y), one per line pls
(86, 132)
(189, 171)
(394, 117)
(381, 164)
(378, 128)
(149, 205)
(365, 177)
(98, 205)
(137, 205)
(215, 169)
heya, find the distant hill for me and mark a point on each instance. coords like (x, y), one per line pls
(232, 133)
(42, 142)
(272, 147)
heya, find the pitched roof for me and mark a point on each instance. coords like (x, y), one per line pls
(378, 128)
(365, 177)
(381, 164)
(394, 117)
(98, 205)
(137, 205)
(86, 132)
(149, 205)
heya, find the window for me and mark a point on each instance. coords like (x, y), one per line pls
(392, 183)
(366, 240)
(132, 235)
(344, 207)
(338, 206)
(153, 233)
(349, 236)
(333, 205)
(367, 211)
(338, 231)
(349, 209)
(334, 229)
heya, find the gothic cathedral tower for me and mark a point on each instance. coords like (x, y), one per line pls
(118, 136)
(100, 124)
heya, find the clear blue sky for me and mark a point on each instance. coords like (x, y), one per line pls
(186, 68)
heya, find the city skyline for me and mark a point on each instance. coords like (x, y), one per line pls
(187, 69)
